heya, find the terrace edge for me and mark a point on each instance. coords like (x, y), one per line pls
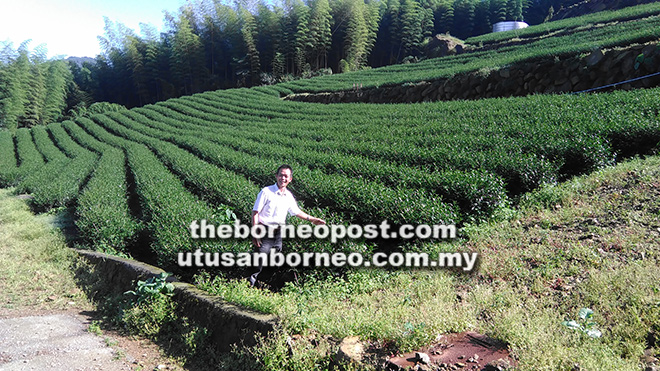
(228, 323)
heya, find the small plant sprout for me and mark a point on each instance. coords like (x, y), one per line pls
(585, 323)
(152, 288)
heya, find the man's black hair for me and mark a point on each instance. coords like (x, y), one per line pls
(284, 166)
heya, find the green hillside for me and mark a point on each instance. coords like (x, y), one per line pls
(139, 177)
(136, 179)
(568, 37)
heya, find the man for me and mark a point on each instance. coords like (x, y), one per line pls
(272, 205)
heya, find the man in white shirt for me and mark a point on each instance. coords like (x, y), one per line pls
(271, 208)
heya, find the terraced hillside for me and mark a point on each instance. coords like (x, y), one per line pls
(138, 178)
(564, 38)
(155, 169)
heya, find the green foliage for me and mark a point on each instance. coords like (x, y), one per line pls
(152, 288)
(278, 352)
(570, 24)
(94, 109)
(211, 46)
(7, 158)
(585, 323)
(167, 207)
(427, 163)
(151, 312)
(407, 166)
(150, 317)
(103, 214)
(29, 158)
(187, 58)
(59, 181)
(34, 91)
(499, 52)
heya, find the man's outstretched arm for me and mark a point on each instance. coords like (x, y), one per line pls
(316, 221)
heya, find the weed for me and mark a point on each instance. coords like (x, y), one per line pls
(119, 354)
(95, 328)
(153, 288)
(585, 323)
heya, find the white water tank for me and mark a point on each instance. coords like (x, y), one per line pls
(508, 26)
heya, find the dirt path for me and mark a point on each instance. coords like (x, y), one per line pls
(72, 340)
(56, 342)
(46, 321)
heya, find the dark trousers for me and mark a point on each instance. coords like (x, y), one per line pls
(266, 245)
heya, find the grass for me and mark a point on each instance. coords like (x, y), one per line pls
(590, 242)
(36, 265)
(40, 275)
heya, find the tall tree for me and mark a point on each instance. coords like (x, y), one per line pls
(268, 34)
(187, 58)
(355, 43)
(444, 16)
(135, 50)
(372, 16)
(14, 78)
(320, 32)
(412, 16)
(498, 10)
(249, 32)
(464, 11)
(514, 9)
(57, 82)
(36, 93)
(303, 39)
(482, 23)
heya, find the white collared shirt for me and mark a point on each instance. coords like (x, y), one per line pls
(273, 205)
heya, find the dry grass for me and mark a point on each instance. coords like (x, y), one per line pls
(36, 272)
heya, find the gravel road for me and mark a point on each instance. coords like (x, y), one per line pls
(55, 342)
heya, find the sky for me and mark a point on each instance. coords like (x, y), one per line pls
(70, 27)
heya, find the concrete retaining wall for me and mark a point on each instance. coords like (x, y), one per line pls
(548, 75)
(228, 323)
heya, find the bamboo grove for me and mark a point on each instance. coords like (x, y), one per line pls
(213, 45)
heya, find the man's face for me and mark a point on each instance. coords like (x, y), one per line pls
(283, 178)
